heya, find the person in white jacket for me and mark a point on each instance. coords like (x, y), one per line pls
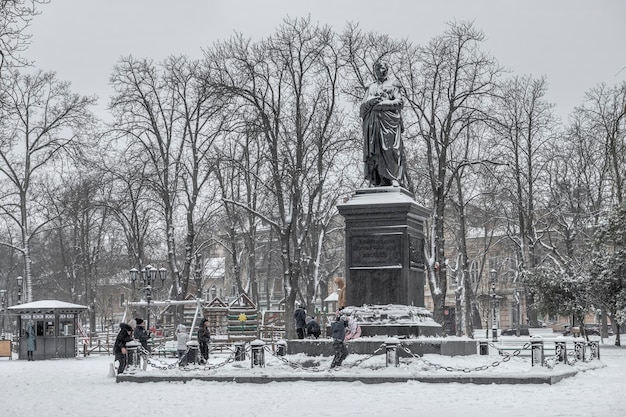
(182, 337)
(354, 330)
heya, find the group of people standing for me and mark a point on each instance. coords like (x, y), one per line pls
(343, 328)
(182, 338)
(135, 330)
(306, 326)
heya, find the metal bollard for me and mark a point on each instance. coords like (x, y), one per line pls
(391, 352)
(281, 348)
(132, 353)
(240, 351)
(257, 355)
(560, 351)
(594, 349)
(536, 347)
(193, 352)
(483, 347)
(579, 350)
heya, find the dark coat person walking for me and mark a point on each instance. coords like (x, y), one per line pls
(339, 333)
(119, 348)
(300, 317)
(204, 338)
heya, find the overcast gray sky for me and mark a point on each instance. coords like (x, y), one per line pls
(575, 43)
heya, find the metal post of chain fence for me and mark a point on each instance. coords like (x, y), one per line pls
(193, 352)
(257, 353)
(281, 348)
(594, 349)
(483, 347)
(240, 351)
(560, 351)
(536, 349)
(391, 352)
(579, 349)
(132, 352)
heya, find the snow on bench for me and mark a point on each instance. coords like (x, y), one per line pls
(510, 344)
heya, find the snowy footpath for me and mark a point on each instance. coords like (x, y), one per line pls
(83, 387)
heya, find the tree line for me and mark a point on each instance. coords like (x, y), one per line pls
(259, 139)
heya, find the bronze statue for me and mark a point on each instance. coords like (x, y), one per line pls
(341, 285)
(383, 151)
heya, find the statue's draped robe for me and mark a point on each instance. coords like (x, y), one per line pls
(382, 131)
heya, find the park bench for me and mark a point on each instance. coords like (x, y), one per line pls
(510, 344)
(169, 348)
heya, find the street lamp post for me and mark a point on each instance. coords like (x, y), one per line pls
(494, 317)
(3, 294)
(20, 281)
(149, 275)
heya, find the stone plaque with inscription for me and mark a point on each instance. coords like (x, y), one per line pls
(376, 250)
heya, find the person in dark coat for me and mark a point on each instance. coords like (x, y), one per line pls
(300, 316)
(312, 327)
(31, 343)
(141, 334)
(119, 348)
(204, 338)
(339, 333)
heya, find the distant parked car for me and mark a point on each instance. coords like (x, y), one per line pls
(523, 331)
(592, 329)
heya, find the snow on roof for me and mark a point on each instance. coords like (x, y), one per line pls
(333, 297)
(48, 305)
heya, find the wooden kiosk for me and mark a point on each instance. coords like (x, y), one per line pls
(55, 323)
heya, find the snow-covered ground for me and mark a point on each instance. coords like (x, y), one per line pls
(83, 387)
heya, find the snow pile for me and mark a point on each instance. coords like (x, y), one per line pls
(81, 387)
(391, 314)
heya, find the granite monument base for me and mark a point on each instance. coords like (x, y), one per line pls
(367, 346)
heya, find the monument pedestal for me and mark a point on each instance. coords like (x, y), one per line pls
(384, 247)
(384, 252)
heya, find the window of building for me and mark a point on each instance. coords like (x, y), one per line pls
(474, 272)
(452, 278)
(66, 325)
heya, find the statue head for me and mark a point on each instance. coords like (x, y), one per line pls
(381, 69)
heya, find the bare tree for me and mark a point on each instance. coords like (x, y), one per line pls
(290, 83)
(603, 116)
(169, 118)
(239, 170)
(15, 17)
(44, 122)
(526, 126)
(449, 84)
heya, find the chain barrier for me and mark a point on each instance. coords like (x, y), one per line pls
(294, 365)
(360, 361)
(506, 357)
(516, 352)
(164, 366)
(570, 358)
